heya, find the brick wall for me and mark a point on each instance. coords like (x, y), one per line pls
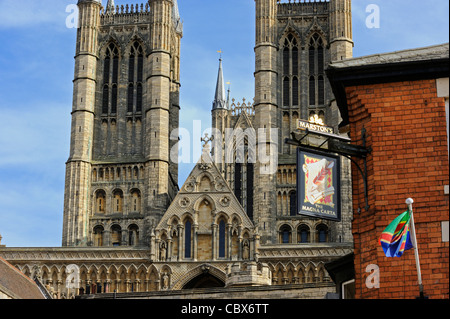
(406, 129)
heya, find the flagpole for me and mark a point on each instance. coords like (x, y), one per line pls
(409, 202)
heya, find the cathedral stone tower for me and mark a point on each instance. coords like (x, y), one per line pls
(341, 42)
(79, 166)
(266, 115)
(233, 223)
(295, 41)
(119, 177)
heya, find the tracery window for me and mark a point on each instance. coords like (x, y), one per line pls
(244, 178)
(316, 71)
(290, 71)
(135, 78)
(110, 79)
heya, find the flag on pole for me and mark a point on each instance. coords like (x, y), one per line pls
(395, 239)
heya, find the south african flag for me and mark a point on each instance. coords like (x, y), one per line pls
(395, 239)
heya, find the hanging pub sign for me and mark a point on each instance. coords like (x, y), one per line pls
(318, 184)
(314, 126)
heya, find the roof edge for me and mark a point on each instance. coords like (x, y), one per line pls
(344, 74)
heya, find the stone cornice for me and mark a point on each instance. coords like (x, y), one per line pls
(74, 254)
(304, 251)
(109, 254)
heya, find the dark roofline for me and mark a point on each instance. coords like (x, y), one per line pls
(17, 284)
(374, 73)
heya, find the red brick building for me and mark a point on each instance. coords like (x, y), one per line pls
(396, 106)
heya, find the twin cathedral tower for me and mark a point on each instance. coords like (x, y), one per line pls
(120, 179)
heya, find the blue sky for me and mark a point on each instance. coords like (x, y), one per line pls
(36, 73)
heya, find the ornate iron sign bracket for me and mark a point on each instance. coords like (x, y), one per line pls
(339, 145)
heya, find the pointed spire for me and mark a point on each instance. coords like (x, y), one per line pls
(220, 98)
(178, 24)
(110, 7)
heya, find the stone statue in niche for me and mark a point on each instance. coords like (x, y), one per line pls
(162, 251)
(246, 250)
(165, 281)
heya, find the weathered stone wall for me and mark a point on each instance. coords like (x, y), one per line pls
(302, 291)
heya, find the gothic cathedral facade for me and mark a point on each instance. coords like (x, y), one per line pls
(295, 41)
(128, 226)
(125, 104)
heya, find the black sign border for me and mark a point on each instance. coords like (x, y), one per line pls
(301, 182)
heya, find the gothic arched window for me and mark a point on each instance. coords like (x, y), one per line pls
(244, 175)
(290, 71)
(316, 71)
(110, 80)
(222, 239)
(187, 239)
(135, 77)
